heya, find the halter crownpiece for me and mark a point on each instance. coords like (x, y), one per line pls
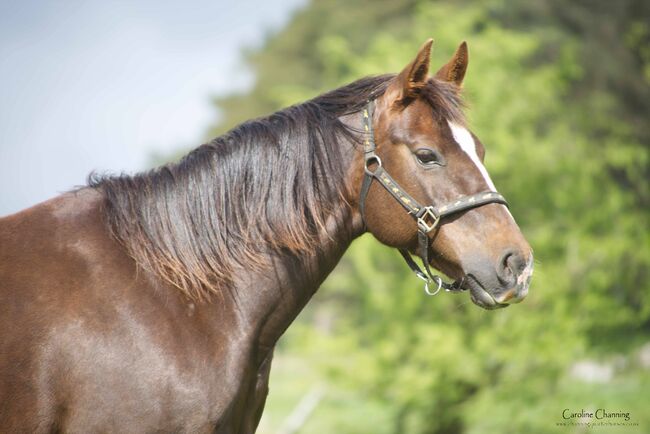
(427, 217)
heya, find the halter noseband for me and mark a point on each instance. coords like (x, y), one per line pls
(427, 217)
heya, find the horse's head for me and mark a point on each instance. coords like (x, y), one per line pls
(422, 142)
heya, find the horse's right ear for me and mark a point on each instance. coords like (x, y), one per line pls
(414, 76)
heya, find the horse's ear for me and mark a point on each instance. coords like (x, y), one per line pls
(454, 70)
(414, 75)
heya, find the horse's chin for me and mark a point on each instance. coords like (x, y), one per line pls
(480, 296)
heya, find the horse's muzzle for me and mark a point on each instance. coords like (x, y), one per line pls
(508, 284)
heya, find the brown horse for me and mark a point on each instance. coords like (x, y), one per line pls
(152, 303)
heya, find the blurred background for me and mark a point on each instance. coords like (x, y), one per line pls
(559, 92)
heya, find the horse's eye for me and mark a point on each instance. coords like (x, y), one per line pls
(428, 157)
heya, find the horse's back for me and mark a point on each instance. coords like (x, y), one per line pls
(84, 337)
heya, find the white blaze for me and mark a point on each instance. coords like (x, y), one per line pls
(466, 142)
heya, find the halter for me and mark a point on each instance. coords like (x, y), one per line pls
(427, 217)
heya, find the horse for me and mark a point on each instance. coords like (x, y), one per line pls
(153, 302)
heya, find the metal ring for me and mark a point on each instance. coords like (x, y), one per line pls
(369, 160)
(421, 276)
(436, 279)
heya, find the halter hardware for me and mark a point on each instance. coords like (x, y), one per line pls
(370, 160)
(427, 217)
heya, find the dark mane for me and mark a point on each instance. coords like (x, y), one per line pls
(270, 182)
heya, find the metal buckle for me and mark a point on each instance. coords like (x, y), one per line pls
(370, 160)
(428, 215)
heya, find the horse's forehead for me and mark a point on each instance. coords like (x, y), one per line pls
(416, 120)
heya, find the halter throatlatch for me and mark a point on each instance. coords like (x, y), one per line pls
(427, 217)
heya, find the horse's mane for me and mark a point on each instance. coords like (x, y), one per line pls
(269, 184)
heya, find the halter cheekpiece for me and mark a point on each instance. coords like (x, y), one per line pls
(427, 217)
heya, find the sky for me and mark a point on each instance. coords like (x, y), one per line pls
(105, 85)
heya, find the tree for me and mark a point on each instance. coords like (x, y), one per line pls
(559, 95)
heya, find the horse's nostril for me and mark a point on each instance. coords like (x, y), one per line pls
(510, 266)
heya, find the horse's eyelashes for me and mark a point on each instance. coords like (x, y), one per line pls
(428, 157)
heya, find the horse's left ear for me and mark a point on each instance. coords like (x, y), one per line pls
(454, 70)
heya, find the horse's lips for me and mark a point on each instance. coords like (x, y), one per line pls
(480, 296)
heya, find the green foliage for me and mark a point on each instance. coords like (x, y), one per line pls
(570, 155)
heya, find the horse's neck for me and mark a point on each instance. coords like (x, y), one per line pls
(274, 298)
(293, 282)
